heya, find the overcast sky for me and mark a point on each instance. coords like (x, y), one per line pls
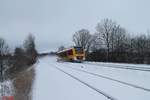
(54, 21)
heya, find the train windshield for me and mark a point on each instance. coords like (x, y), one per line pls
(69, 52)
(78, 50)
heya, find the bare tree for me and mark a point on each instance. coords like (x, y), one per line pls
(83, 38)
(4, 49)
(96, 43)
(140, 44)
(29, 43)
(148, 40)
(30, 48)
(148, 47)
(120, 38)
(106, 29)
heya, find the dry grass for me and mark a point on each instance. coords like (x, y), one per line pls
(23, 84)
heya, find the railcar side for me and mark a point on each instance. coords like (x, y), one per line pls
(75, 54)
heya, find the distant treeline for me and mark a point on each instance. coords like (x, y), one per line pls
(45, 54)
(113, 43)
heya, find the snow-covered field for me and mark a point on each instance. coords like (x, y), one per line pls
(90, 81)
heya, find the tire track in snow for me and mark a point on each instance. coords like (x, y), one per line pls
(105, 77)
(88, 85)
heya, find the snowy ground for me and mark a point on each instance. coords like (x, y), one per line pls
(6, 88)
(90, 81)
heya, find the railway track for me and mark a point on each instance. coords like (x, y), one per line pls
(123, 67)
(105, 77)
(88, 85)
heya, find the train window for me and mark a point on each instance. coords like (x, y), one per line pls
(70, 52)
(78, 50)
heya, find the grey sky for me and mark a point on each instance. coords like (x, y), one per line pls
(54, 21)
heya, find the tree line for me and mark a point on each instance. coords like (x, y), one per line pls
(27, 50)
(113, 43)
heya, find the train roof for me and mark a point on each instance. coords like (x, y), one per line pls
(68, 49)
(64, 50)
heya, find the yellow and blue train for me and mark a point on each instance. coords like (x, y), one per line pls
(73, 54)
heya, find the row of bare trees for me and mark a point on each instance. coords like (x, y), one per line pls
(28, 49)
(4, 49)
(113, 43)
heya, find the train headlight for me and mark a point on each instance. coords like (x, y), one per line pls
(75, 58)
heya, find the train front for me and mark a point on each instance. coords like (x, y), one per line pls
(79, 54)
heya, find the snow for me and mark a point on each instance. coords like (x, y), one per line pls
(140, 78)
(118, 64)
(53, 84)
(6, 88)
